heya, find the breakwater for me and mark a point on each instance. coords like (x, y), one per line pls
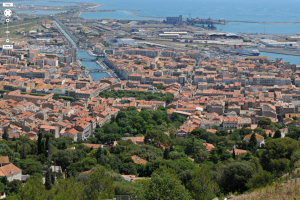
(293, 52)
(261, 22)
(143, 15)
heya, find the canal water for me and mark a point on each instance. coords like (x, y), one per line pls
(88, 64)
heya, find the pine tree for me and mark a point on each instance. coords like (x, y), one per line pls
(52, 175)
(48, 185)
(5, 135)
(24, 148)
(99, 154)
(40, 143)
(171, 148)
(252, 142)
(48, 148)
(277, 134)
(167, 154)
(233, 153)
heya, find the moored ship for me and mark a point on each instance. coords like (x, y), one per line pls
(247, 52)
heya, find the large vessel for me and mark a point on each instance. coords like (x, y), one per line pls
(242, 51)
(247, 52)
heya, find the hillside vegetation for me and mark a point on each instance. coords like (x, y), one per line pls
(285, 191)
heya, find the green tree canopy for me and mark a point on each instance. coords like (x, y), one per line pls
(264, 122)
(201, 186)
(29, 166)
(99, 185)
(204, 135)
(235, 176)
(278, 153)
(165, 185)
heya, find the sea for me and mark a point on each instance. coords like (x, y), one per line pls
(236, 10)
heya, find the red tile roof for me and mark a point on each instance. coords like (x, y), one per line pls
(209, 147)
(138, 160)
(258, 137)
(95, 146)
(9, 169)
(238, 151)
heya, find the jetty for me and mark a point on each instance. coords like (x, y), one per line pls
(130, 11)
(293, 52)
(262, 22)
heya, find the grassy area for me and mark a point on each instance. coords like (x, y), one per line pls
(285, 191)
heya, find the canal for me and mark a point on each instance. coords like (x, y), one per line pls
(88, 64)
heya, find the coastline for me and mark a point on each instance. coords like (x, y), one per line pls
(91, 7)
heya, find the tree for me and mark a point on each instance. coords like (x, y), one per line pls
(3, 184)
(235, 176)
(48, 184)
(99, 154)
(99, 185)
(185, 177)
(29, 166)
(48, 148)
(80, 166)
(201, 186)
(56, 96)
(204, 135)
(25, 147)
(260, 180)
(5, 135)
(68, 189)
(40, 143)
(157, 138)
(4, 180)
(33, 189)
(161, 87)
(277, 134)
(252, 142)
(176, 117)
(128, 168)
(165, 185)
(264, 122)
(6, 151)
(65, 157)
(193, 146)
(14, 186)
(62, 143)
(219, 153)
(277, 153)
(167, 154)
(233, 153)
(295, 158)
